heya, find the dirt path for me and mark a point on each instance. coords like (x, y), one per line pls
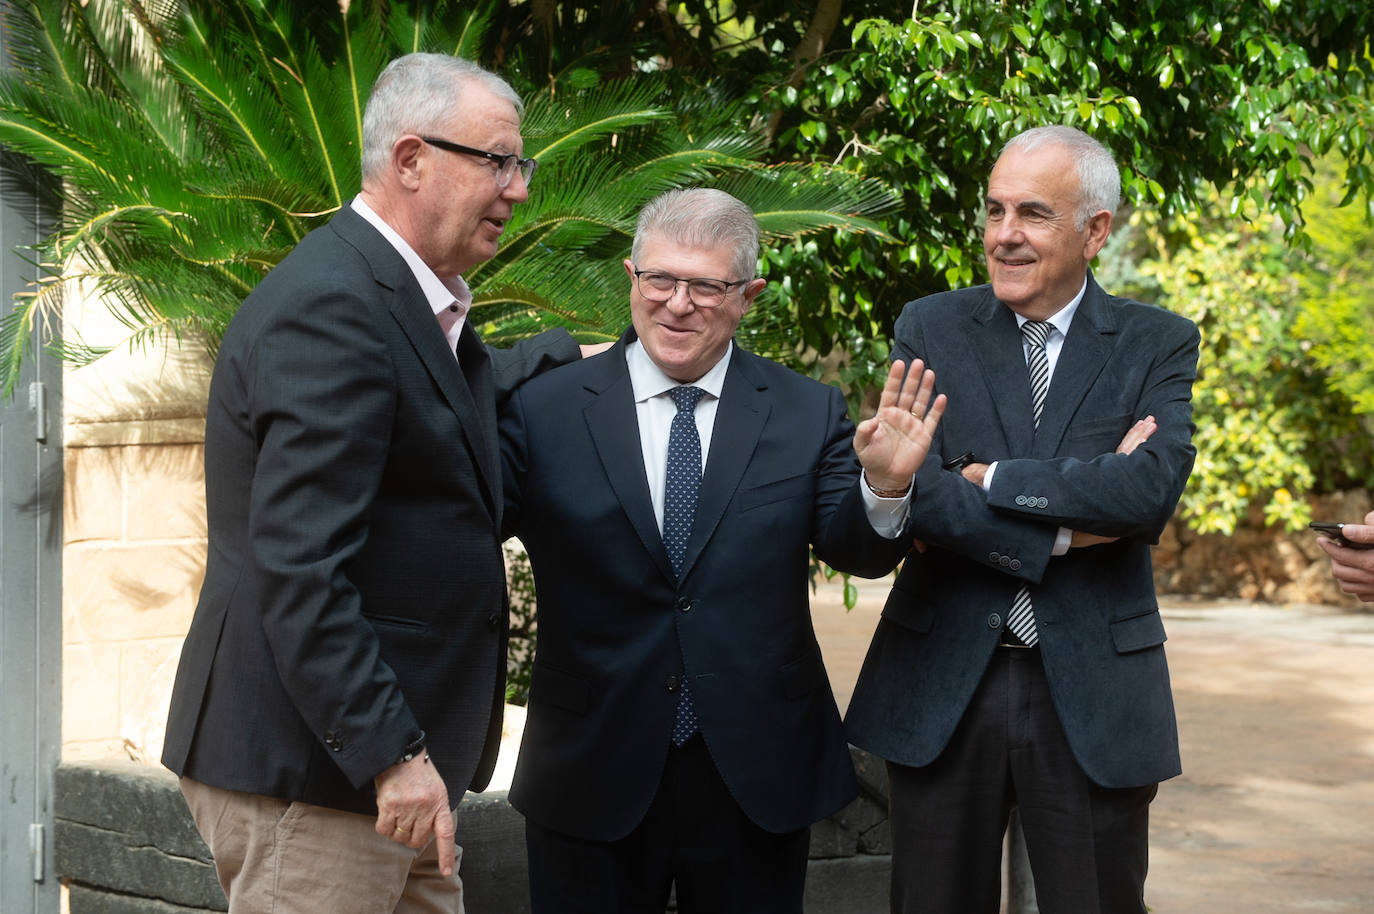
(1275, 809)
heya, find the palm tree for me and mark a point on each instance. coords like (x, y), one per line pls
(197, 142)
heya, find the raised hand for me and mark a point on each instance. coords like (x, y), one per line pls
(893, 444)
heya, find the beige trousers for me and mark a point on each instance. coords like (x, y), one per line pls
(278, 857)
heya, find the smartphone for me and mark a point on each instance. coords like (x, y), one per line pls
(1334, 531)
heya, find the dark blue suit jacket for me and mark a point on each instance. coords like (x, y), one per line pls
(617, 629)
(1101, 636)
(354, 592)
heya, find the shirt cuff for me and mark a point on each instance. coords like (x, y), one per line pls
(1062, 540)
(987, 477)
(887, 516)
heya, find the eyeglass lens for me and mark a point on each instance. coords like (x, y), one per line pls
(660, 287)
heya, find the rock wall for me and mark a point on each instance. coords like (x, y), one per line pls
(1255, 562)
(126, 844)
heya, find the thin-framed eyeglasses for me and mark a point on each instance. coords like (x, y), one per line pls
(506, 162)
(704, 293)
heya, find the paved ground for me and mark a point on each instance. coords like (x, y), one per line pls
(1275, 809)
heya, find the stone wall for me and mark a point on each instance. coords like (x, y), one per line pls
(126, 845)
(1258, 563)
(133, 534)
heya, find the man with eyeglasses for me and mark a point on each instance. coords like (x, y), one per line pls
(681, 731)
(342, 681)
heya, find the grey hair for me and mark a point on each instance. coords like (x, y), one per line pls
(1099, 179)
(415, 94)
(701, 217)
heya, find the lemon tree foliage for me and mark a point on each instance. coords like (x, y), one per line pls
(1192, 97)
(1337, 284)
(1274, 424)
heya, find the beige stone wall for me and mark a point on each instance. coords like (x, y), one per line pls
(134, 537)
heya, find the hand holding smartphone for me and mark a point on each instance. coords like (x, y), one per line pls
(1333, 530)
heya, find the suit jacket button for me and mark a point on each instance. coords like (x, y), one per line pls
(1042, 502)
(1015, 565)
(493, 621)
(994, 621)
(1020, 499)
(1005, 561)
(683, 604)
(994, 557)
(671, 683)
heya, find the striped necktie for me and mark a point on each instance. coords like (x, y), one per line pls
(1021, 619)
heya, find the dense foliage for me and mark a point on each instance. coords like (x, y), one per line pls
(198, 142)
(1283, 336)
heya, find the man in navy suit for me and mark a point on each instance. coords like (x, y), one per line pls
(341, 684)
(681, 726)
(1019, 661)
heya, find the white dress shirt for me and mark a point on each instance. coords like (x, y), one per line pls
(450, 298)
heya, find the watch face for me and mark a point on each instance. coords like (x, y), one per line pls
(958, 463)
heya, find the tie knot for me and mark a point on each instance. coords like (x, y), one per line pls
(1036, 332)
(686, 397)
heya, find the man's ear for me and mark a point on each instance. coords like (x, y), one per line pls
(408, 160)
(1099, 227)
(751, 291)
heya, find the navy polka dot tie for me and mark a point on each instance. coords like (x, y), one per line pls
(682, 480)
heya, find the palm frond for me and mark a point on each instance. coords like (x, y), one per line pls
(199, 140)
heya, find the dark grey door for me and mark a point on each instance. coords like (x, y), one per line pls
(30, 585)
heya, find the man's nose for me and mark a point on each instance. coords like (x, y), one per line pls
(680, 302)
(517, 191)
(1008, 231)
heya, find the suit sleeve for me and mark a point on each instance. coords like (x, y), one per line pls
(1118, 494)
(512, 367)
(322, 403)
(842, 536)
(512, 463)
(952, 513)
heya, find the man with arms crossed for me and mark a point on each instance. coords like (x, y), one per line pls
(341, 684)
(681, 727)
(1019, 660)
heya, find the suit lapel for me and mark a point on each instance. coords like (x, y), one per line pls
(995, 340)
(612, 422)
(411, 310)
(475, 368)
(1084, 352)
(740, 416)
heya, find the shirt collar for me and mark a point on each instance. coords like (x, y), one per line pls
(647, 380)
(440, 293)
(1061, 319)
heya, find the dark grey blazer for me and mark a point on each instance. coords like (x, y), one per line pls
(1101, 635)
(354, 592)
(617, 629)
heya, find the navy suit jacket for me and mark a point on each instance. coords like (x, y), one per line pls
(354, 591)
(1101, 636)
(617, 629)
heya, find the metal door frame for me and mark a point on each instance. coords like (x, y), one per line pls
(30, 582)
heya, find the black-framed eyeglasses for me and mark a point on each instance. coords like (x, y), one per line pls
(704, 293)
(506, 162)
